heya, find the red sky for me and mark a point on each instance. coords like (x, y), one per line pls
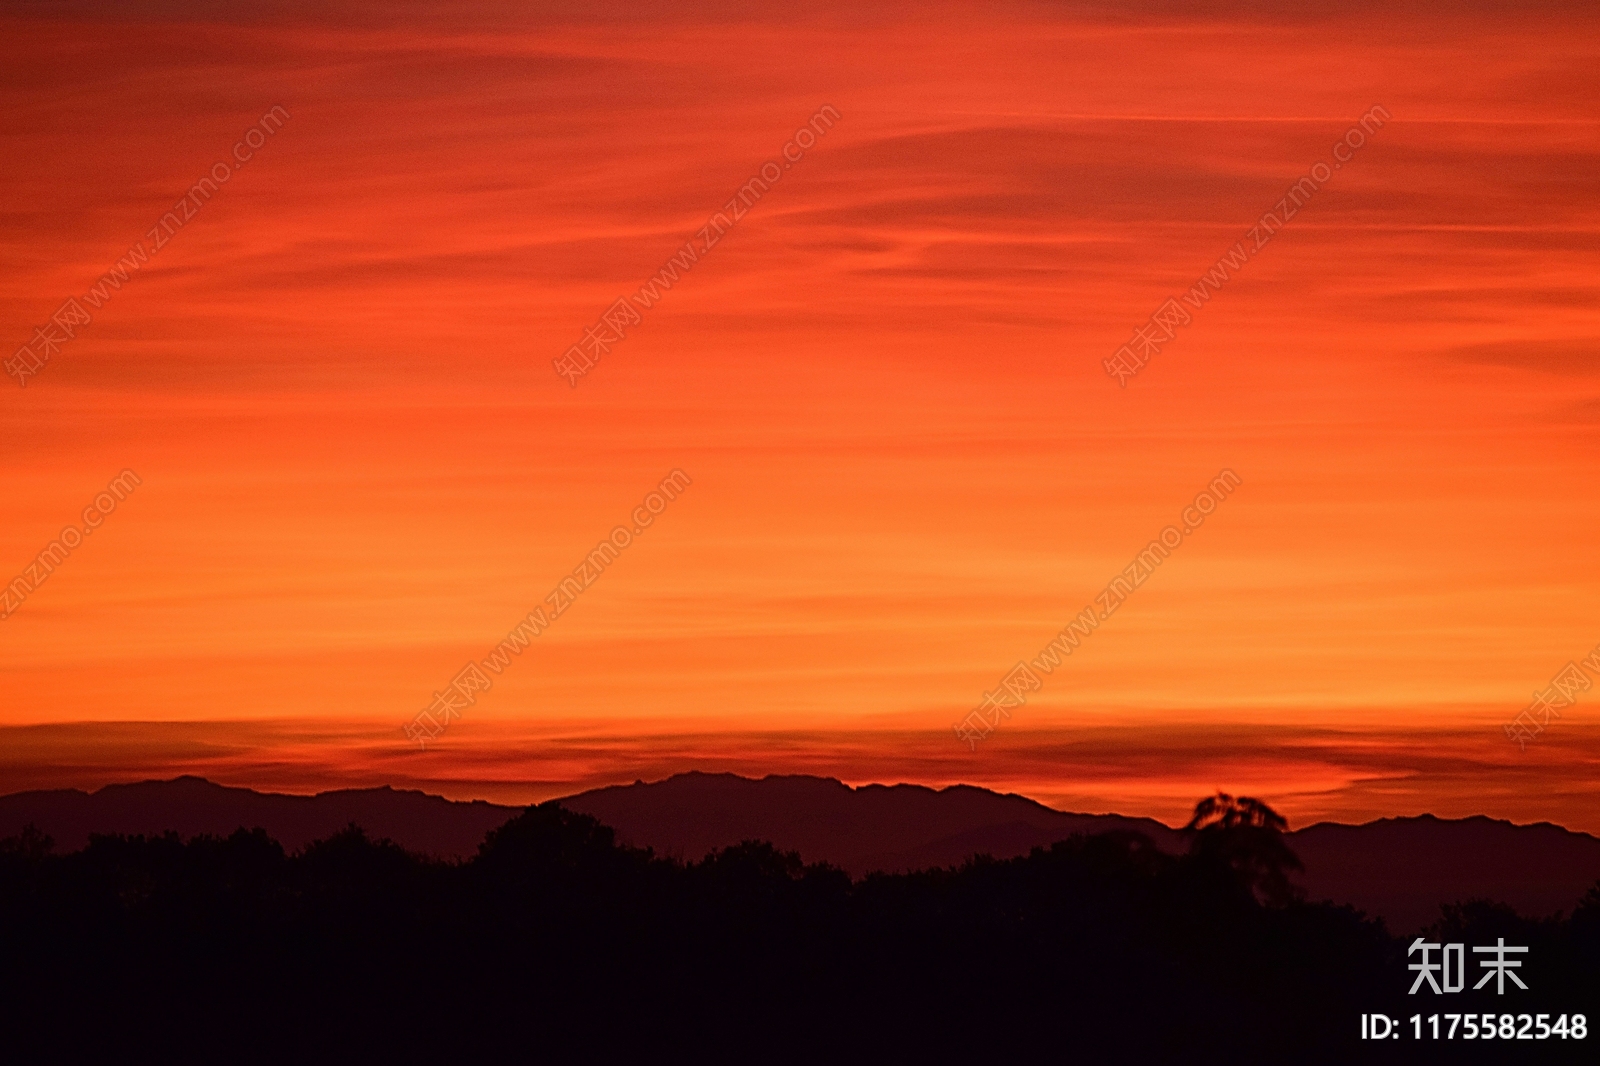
(910, 469)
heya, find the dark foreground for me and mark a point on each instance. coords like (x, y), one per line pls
(554, 945)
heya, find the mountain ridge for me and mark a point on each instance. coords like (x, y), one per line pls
(1398, 867)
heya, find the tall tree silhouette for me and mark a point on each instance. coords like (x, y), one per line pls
(1247, 835)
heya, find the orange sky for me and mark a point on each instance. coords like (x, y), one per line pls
(910, 469)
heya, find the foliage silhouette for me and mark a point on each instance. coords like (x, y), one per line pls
(555, 943)
(1247, 836)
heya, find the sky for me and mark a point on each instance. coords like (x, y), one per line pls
(907, 466)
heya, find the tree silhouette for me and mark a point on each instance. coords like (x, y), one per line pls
(31, 846)
(1247, 835)
(1230, 812)
(558, 937)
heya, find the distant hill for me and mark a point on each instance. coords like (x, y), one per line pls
(1403, 868)
(191, 806)
(873, 827)
(1397, 868)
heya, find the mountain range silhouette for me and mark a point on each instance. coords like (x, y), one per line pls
(1400, 869)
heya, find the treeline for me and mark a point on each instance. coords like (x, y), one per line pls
(555, 944)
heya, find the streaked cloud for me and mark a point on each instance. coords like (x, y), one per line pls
(910, 467)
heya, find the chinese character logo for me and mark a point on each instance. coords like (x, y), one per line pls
(1449, 974)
